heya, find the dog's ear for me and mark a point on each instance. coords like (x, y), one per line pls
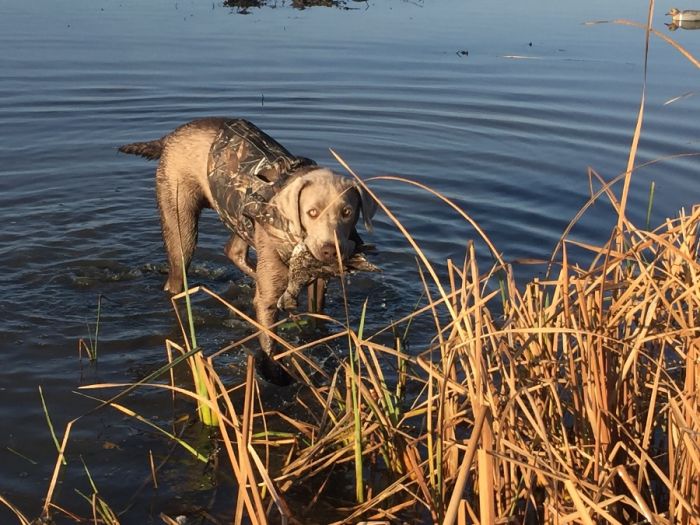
(288, 204)
(367, 205)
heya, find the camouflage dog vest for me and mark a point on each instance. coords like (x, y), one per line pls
(246, 169)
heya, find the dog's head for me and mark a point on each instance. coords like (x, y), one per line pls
(321, 206)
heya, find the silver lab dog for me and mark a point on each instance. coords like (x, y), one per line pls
(270, 200)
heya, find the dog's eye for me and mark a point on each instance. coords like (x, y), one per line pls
(347, 212)
(313, 213)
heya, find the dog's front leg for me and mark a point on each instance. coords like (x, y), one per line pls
(271, 278)
(316, 296)
(237, 251)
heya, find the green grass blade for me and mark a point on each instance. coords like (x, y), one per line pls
(97, 327)
(121, 408)
(48, 422)
(188, 304)
(354, 377)
(652, 187)
(206, 415)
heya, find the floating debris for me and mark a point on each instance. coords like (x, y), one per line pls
(521, 57)
(679, 97)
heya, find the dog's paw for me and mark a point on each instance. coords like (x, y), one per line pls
(287, 302)
(271, 371)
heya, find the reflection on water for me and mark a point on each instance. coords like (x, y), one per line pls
(684, 24)
(386, 86)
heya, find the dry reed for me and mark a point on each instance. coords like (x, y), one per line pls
(575, 401)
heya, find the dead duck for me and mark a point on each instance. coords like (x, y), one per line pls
(687, 15)
(304, 268)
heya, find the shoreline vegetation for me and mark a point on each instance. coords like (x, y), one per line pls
(567, 399)
(244, 6)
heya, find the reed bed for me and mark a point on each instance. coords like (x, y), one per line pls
(572, 399)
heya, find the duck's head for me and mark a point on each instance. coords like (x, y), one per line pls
(673, 12)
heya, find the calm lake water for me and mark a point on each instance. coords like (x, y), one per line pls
(502, 106)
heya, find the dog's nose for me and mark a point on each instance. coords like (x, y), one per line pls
(328, 252)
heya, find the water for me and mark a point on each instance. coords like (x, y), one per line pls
(422, 90)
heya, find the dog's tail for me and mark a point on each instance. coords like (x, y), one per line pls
(151, 150)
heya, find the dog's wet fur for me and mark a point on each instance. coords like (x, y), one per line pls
(321, 206)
